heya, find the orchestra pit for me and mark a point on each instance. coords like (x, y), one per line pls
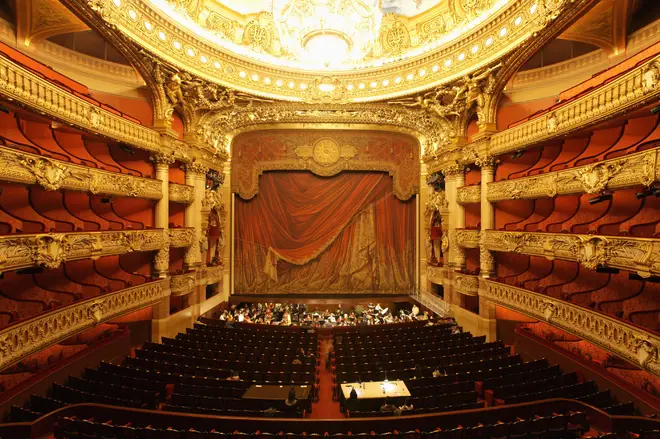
(398, 219)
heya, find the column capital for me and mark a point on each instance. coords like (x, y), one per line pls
(163, 159)
(454, 170)
(196, 168)
(486, 162)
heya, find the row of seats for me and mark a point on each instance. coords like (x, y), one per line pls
(447, 341)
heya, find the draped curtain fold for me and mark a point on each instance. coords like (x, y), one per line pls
(308, 234)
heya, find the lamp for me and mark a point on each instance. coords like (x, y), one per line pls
(327, 32)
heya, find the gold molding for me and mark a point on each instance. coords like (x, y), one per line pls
(467, 238)
(636, 169)
(621, 95)
(466, 284)
(213, 274)
(23, 339)
(428, 69)
(183, 284)
(52, 249)
(624, 340)
(22, 167)
(435, 274)
(639, 255)
(468, 194)
(181, 193)
(181, 237)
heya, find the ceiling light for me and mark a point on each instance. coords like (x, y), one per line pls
(532, 10)
(132, 14)
(517, 21)
(447, 63)
(361, 85)
(162, 35)
(397, 79)
(503, 31)
(489, 41)
(291, 84)
(190, 52)
(422, 72)
(374, 84)
(350, 87)
(303, 86)
(148, 26)
(176, 45)
(435, 68)
(216, 65)
(255, 77)
(461, 56)
(410, 76)
(474, 49)
(242, 74)
(386, 83)
(117, 2)
(267, 80)
(203, 59)
(278, 83)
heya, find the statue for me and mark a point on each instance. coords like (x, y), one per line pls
(474, 90)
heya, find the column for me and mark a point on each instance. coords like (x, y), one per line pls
(423, 228)
(162, 164)
(455, 178)
(486, 260)
(195, 177)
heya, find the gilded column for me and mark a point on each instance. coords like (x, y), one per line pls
(195, 177)
(227, 233)
(162, 164)
(486, 260)
(423, 226)
(455, 178)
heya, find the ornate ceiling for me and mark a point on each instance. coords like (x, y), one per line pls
(241, 45)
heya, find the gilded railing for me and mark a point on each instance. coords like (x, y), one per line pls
(433, 302)
(51, 249)
(467, 238)
(213, 274)
(182, 237)
(640, 255)
(181, 193)
(467, 284)
(26, 338)
(25, 168)
(622, 94)
(183, 284)
(21, 85)
(468, 194)
(632, 343)
(435, 274)
(631, 170)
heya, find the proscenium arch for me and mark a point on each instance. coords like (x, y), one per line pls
(406, 185)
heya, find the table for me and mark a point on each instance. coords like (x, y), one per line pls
(377, 389)
(275, 392)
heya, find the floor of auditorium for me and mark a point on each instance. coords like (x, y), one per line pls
(325, 408)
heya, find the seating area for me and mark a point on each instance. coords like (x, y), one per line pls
(470, 373)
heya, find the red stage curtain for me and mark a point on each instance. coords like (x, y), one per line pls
(304, 233)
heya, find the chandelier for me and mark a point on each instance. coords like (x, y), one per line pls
(327, 32)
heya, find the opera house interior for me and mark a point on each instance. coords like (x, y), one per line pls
(244, 219)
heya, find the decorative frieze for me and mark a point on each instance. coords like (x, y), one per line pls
(435, 274)
(621, 95)
(637, 169)
(467, 238)
(182, 237)
(468, 194)
(640, 255)
(21, 167)
(181, 193)
(183, 284)
(23, 339)
(51, 249)
(213, 274)
(624, 340)
(466, 284)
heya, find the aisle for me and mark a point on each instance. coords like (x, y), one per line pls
(326, 408)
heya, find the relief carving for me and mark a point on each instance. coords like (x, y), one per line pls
(49, 174)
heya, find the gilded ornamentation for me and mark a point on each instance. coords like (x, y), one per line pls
(437, 201)
(473, 92)
(183, 284)
(19, 341)
(94, 117)
(622, 172)
(52, 249)
(213, 274)
(296, 149)
(640, 255)
(181, 237)
(453, 170)
(25, 168)
(621, 95)
(162, 261)
(435, 274)
(394, 38)
(196, 168)
(629, 342)
(326, 151)
(466, 284)
(468, 194)
(486, 161)
(181, 193)
(467, 238)
(162, 159)
(49, 173)
(260, 33)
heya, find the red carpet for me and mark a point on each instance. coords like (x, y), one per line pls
(326, 408)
